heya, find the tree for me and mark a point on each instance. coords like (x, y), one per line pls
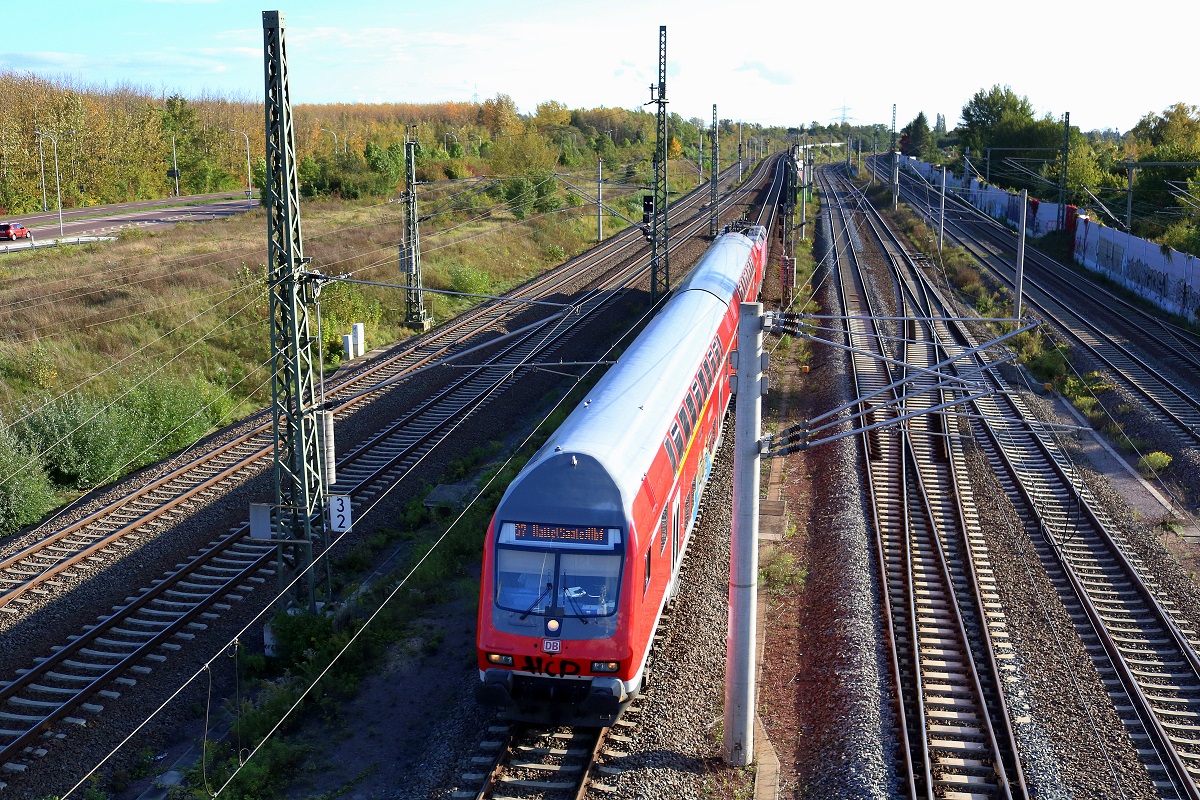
(916, 139)
(499, 115)
(551, 114)
(525, 154)
(1178, 127)
(674, 148)
(990, 112)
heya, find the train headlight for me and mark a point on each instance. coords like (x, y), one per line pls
(552, 625)
(500, 658)
(605, 666)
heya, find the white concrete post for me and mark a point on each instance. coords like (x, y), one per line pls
(743, 556)
(348, 346)
(359, 332)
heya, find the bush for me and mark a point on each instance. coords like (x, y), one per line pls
(1154, 463)
(298, 634)
(25, 491)
(470, 280)
(342, 305)
(86, 441)
(520, 194)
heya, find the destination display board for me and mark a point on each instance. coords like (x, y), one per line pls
(535, 532)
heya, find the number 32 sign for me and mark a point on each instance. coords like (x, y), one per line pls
(339, 513)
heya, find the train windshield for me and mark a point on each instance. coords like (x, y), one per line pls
(559, 574)
(587, 583)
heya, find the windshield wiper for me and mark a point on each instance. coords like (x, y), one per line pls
(528, 611)
(578, 609)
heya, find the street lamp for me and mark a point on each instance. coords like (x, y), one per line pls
(42, 161)
(326, 130)
(477, 136)
(346, 142)
(446, 144)
(175, 161)
(57, 184)
(249, 180)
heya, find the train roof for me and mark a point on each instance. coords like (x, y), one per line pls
(589, 471)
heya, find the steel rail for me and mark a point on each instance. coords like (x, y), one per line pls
(73, 546)
(195, 597)
(1187, 340)
(945, 696)
(946, 348)
(1152, 654)
(1177, 404)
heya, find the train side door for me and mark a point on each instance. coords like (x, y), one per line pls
(675, 533)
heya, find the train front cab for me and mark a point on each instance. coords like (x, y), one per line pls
(554, 634)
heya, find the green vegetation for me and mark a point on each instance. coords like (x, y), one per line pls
(308, 643)
(113, 355)
(779, 572)
(1096, 178)
(122, 142)
(1154, 463)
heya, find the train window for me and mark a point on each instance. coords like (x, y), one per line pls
(522, 577)
(698, 395)
(588, 583)
(704, 378)
(686, 423)
(671, 454)
(677, 438)
(646, 585)
(662, 531)
(693, 413)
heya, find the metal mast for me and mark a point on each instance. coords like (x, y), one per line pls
(893, 130)
(660, 272)
(410, 248)
(713, 215)
(1062, 172)
(293, 396)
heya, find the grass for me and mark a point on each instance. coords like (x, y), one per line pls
(188, 306)
(780, 572)
(307, 643)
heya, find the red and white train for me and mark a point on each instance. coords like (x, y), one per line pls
(585, 547)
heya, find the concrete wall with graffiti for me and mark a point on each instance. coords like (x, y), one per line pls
(1165, 277)
(1040, 218)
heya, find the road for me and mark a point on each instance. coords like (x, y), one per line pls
(107, 220)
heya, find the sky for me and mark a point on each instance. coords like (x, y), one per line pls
(775, 63)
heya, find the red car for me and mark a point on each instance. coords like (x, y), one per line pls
(14, 230)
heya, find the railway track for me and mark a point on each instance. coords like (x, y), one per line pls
(82, 546)
(955, 736)
(550, 763)
(1153, 359)
(1145, 652)
(131, 640)
(565, 762)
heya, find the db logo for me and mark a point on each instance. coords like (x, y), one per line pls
(551, 645)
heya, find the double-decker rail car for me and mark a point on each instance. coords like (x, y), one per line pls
(584, 550)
